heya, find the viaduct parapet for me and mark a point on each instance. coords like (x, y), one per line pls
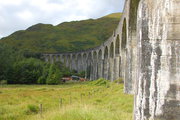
(144, 50)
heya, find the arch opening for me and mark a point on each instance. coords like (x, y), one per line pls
(84, 62)
(106, 66)
(68, 61)
(117, 46)
(95, 55)
(79, 62)
(133, 14)
(100, 64)
(106, 53)
(63, 59)
(112, 50)
(74, 63)
(89, 66)
(124, 36)
(84, 56)
(100, 55)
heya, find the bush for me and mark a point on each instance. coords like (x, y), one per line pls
(41, 80)
(100, 82)
(32, 109)
(27, 71)
(81, 74)
(3, 82)
(7, 58)
(63, 69)
(120, 80)
(54, 75)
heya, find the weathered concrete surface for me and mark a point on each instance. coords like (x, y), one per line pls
(158, 82)
(144, 50)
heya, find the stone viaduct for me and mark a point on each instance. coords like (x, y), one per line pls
(144, 50)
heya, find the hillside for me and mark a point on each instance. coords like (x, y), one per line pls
(65, 37)
(113, 15)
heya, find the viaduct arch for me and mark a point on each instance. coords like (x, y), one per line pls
(144, 50)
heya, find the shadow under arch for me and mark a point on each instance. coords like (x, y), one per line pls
(124, 36)
(117, 46)
(89, 66)
(111, 62)
(95, 66)
(100, 64)
(106, 65)
(79, 62)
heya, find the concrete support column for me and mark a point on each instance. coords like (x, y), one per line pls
(157, 95)
(111, 71)
(91, 71)
(67, 62)
(70, 64)
(47, 58)
(51, 59)
(88, 70)
(124, 71)
(100, 68)
(95, 70)
(85, 67)
(116, 68)
(128, 72)
(123, 64)
(106, 69)
(76, 65)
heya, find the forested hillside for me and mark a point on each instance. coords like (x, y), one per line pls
(65, 37)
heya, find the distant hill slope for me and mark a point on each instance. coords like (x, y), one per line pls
(113, 15)
(65, 37)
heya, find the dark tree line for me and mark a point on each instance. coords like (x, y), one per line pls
(22, 67)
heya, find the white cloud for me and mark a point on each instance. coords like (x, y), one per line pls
(11, 2)
(25, 15)
(20, 14)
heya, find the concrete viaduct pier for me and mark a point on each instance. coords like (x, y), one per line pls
(144, 50)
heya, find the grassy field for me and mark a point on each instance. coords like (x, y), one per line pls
(80, 101)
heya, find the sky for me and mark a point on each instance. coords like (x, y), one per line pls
(21, 14)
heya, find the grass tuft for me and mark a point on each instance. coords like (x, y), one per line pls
(32, 109)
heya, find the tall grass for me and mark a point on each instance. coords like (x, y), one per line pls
(80, 101)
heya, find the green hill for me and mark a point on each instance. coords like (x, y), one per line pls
(65, 37)
(113, 15)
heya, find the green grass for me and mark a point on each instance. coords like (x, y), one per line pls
(89, 101)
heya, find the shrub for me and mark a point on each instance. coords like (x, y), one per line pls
(3, 82)
(27, 71)
(54, 75)
(41, 80)
(120, 80)
(32, 109)
(100, 82)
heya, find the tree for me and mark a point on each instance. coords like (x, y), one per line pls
(7, 58)
(27, 71)
(54, 75)
(43, 78)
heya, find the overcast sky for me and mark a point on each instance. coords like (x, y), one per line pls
(21, 14)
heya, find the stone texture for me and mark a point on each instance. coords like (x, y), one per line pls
(157, 95)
